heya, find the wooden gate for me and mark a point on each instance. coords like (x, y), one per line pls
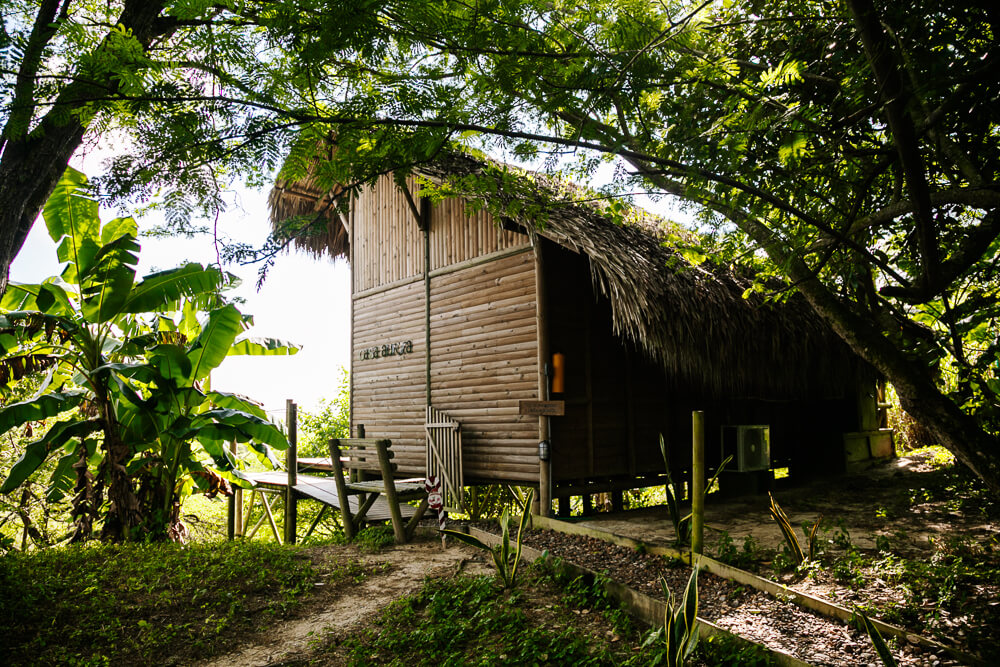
(444, 456)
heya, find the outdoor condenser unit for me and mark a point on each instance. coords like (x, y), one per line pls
(749, 445)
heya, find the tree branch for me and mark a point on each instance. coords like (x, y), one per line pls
(894, 91)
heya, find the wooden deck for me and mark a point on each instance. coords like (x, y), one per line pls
(324, 489)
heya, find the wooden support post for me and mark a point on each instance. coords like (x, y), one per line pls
(231, 513)
(563, 506)
(338, 478)
(588, 505)
(697, 480)
(617, 500)
(241, 526)
(291, 461)
(398, 529)
(424, 221)
(542, 502)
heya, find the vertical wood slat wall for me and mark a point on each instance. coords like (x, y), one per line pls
(483, 337)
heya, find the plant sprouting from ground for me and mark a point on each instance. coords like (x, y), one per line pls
(884, 654)
(682, 524)
(794, 548)
(505, 556)
(680, 623)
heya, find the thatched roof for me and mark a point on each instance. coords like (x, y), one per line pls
(691, 319)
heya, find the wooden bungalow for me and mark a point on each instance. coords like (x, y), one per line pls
(464, 325)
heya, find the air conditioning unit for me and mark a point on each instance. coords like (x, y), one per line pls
(749, 445)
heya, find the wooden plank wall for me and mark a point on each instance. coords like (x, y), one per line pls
(484, 361)
(483, 340)
(388, 392)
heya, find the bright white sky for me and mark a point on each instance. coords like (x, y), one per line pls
(304, 300)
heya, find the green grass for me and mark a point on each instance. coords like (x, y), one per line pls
(125, 604)
(552, 618)
(468, 621)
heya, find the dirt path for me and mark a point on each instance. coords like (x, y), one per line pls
(401, 571)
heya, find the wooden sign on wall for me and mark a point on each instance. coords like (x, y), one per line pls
(542, 408)
(387, 350)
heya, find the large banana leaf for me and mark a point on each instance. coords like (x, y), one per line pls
(213, 343)
(264, 454)
(234, 402)
(163, 290)
(263, 347)
(71, 217)
(42, 407)
(140, 372)
(52, 299)
(171, 361)
(226, 424)
(222, 458)
(36, 453)
(20, 297)
(106, 285)
(117, 228)
(63, 478)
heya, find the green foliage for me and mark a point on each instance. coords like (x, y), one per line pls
(726, 649)
(131, 604)
(583, 592)
(679, 633)
(505, 558)
(375, 538)
(133, 359)
(333, 420)
(492, 500)
(468, 621)
(745, 558)
(884, 654)
(682, 525)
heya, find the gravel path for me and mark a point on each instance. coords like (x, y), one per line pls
(742, 610)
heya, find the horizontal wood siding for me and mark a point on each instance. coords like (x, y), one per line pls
(388, 393)
(484, 361)
(388, 244)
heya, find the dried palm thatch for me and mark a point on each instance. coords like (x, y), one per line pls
(308, 212)
(692, 320)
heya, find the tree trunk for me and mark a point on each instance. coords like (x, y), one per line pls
(918, 394)
(124, 514)
(31, 164)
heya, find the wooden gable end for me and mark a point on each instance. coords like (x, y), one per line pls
(471, 350)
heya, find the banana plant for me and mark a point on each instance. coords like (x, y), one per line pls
(124, 366)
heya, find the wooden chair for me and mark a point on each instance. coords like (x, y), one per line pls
(362, 458)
